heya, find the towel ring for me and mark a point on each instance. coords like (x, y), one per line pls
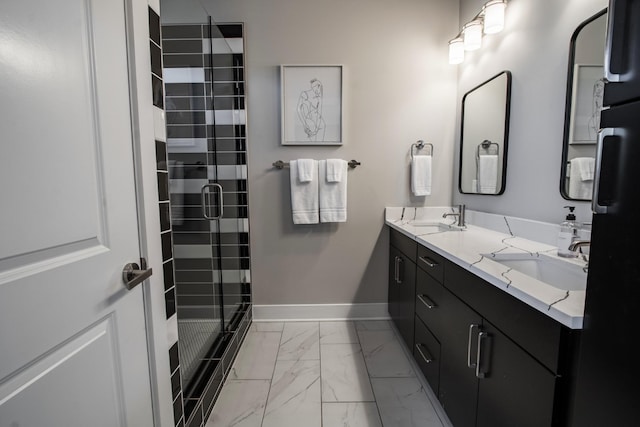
(419, 145)
(486, 145)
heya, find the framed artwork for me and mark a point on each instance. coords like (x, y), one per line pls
(311, 104)
(588, 89)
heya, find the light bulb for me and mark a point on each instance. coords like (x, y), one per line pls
(494, 16)
(456, 51)
(472, 33)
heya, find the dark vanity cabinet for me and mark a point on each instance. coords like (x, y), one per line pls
(491, 359)
(402, 284)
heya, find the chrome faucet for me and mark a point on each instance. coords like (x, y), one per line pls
(577, 244)
(459, 214)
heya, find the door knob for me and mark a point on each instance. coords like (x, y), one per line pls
(133, 274)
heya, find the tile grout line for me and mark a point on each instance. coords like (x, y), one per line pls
(320, 374)
(264, 412)
(375, 399)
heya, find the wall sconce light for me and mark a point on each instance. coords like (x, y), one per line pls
(494, 16)
(472, 35)
(456, 51)
(490, 20)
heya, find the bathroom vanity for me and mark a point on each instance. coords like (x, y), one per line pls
(496, 345)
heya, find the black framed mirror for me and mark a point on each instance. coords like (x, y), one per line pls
(484, 137)
(585, 88)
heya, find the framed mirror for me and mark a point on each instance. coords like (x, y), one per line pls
(484, 136)
(585, 87)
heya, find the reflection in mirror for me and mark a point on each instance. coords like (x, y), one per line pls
(483, 141)
(585, 87)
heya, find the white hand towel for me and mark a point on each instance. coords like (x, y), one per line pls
(585, 166)
(336, 169)
(421, 175)
(488, 174)
(580, 188)
(304, 196)
(333, 196)
(306, 169)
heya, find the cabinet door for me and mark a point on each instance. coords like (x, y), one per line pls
(516, 390)
(458, 383)
(402, 287)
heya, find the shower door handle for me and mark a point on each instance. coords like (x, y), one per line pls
(205, 205)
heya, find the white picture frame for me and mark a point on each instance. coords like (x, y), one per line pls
(586, 103)
(311, 104)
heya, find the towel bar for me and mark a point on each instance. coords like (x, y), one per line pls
(279, 164)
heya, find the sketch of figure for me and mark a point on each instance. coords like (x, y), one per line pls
(310, 111)
(596, 108)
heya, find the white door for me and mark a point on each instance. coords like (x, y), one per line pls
(73, 347)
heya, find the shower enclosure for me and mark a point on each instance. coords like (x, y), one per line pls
(203, 72)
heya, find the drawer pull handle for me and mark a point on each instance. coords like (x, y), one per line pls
(481, 337)
(426, 301)
(431, 263)
(470, 362)
(424, 353)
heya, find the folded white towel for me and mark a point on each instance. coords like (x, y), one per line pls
(488, 174)
(306, 168)
(304, 196)
(336, 169)
(585, 166)
(580, 188)
(421, 175)
(333, 195)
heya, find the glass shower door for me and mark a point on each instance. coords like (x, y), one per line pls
(206, 140)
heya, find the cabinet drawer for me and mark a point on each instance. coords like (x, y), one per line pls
(403, 243)
(431, 262)
(426, 352)
(429, 302)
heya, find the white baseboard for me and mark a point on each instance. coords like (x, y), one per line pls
(302, 312)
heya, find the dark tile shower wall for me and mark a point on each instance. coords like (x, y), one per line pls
(203, 73)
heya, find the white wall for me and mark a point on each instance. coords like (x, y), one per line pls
(535, 48)
(398, 88)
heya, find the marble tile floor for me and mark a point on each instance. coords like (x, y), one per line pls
(324, 374)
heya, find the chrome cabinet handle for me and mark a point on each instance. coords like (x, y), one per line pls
(395, 269)
(609, 75)
(426, 356)
(431, 263)
(133, 275)
(481, 337)
(595, 206)
(204, 202)
(470, 362)
(400, 275)
(426, 301)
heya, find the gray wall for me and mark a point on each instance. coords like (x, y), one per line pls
(535, 48)
(398, 88)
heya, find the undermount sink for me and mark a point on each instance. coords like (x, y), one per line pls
(558, 273)
(435, 226)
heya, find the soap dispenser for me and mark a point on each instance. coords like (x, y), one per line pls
(568, 232)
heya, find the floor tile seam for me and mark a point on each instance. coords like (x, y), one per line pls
(320, 374)
(273, 371)
(373, 392)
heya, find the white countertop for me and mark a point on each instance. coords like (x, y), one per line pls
(466, 248)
